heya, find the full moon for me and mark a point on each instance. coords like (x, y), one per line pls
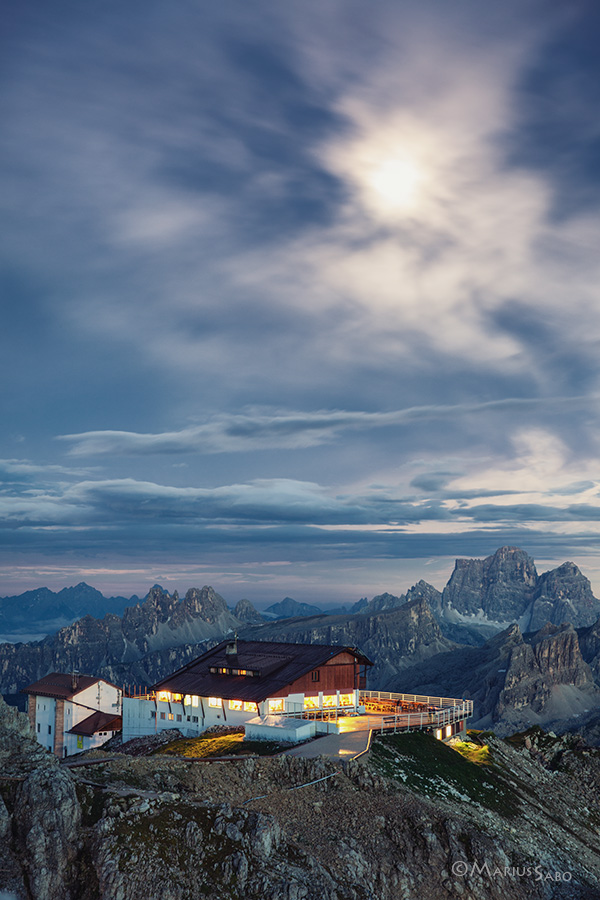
(395, 184)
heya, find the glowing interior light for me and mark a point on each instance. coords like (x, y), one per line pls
(311, 703)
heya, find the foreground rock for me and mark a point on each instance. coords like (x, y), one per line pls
(415, 820)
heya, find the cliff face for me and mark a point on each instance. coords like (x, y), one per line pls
(505, 587)
(501, 586)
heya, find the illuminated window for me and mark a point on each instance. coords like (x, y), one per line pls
(187, 700)
(329, 700)
(178, 697)
(448, 730)
(438, 734)
(250, 707)
(170, 717)
(276, 706)
(214, 701)
(194, 700)
(346, 699)
(311, 703)
(165, 696)
(235, 704)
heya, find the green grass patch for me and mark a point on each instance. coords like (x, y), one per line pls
(431, 767)
(219, 745)
(475, 753)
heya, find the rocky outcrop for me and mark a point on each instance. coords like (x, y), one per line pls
(514, 683)
(40, 816)
(563, 595)
(412, 819)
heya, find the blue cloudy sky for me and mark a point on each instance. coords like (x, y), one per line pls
(297, 298)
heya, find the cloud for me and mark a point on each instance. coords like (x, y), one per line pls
(285, 430)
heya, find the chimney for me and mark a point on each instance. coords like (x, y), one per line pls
(74, 680)
(231, 649)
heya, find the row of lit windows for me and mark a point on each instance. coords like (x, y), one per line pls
(192, 700)
(227, 670)
(237, 705)
(329, 701)
(187, 700)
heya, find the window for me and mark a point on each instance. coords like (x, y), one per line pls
(170, 717)
(316, 675)
(39, 727)
(165, 696)
(329, 700)
(49, 729)
(346, 699)
(195, 719)
(276, 706)
(311, 703)
(178, 717)
(189, 719)
(187, 700)
(152, 713)
(235, 704)
(162, 715)
(194, 700)
(214, 701)
(250, 707)
(178, 698)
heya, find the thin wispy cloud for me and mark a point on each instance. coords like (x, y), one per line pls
(289, 430)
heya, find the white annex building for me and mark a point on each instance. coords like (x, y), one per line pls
(71, 713)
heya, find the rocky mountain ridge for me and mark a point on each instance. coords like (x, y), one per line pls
(44, 611)
(114, 647)
(486, 595)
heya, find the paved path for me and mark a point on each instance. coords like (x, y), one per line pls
(337, 746)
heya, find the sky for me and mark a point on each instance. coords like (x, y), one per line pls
(297, 298)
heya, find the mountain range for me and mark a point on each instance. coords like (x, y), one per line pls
(540, 663)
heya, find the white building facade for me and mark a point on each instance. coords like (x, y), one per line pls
(71, 713)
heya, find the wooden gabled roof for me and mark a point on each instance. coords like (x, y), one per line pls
(270, 665)
(98, 721)
(60, 686)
